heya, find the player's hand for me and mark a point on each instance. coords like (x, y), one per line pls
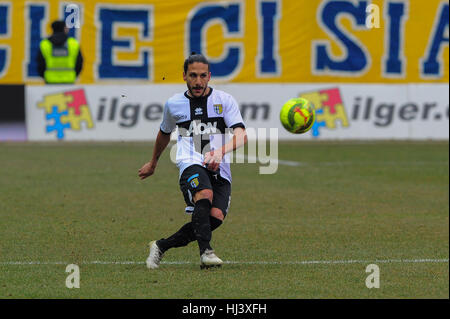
(147, 170)
(212, 159)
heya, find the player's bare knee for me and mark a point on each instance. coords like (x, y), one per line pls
(204, 194)
(217, 213)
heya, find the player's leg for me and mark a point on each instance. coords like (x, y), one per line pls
(200, 219)
(204, 220)
(186, 235)
(220, 204)
(209, 259)
(215, 218)
(196, 187)
(221, 200)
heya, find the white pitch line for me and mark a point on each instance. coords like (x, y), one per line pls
(254, 159)
(305, 262)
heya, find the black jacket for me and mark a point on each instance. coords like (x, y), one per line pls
(57, 39)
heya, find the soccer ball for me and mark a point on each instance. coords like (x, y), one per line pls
(297, 115)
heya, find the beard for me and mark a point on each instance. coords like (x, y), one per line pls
(194, 92)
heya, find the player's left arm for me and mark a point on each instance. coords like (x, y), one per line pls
(233, 119)
(239, 139)
(214, 158)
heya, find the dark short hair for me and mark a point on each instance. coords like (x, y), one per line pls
(195, 57)
(58, 26)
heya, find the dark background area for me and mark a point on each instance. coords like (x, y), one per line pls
(12, 104)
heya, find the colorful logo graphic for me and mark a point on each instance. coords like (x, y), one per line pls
(193, 180)
(194, 183)
(66, 111)
(329, 109)
(218, 109)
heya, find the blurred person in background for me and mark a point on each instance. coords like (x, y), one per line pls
(59, 58)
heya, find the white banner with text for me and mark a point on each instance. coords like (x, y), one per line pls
(343, 111)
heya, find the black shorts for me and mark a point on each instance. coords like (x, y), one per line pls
(196, 178)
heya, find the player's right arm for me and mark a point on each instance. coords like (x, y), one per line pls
(162, 140)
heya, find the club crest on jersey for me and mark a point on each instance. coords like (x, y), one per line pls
(198, 111)
(218, 109)
(193, 180)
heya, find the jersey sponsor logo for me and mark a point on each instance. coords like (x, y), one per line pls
(198, 128)
(329, 109)
(66, 111)
(218, 109)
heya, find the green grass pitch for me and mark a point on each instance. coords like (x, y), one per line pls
(308, 231)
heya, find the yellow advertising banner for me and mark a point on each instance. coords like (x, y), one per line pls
(246, 41)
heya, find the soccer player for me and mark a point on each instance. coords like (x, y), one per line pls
(203, 116)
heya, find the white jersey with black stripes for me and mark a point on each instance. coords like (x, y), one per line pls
(204, 124)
